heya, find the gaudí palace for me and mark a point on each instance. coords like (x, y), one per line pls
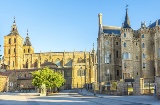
(126, 53)
(121, 53)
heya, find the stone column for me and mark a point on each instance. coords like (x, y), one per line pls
(38, 63)
(138, 86)
(120, 88)
(157, 83)
(73, 75)
(156, 55)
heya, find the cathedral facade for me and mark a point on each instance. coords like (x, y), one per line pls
(124, 53)
(79, 67)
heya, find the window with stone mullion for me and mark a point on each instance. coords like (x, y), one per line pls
(107, 57)
(144, 65)
(144, 56)
(81, 73)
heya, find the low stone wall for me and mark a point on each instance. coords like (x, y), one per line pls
(3, 83)
(120, 88)
(138, 86)
(157, 82)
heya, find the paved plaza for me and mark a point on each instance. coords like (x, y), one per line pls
(71, 97)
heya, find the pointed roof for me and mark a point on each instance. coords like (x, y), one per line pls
(93, 48)
(112, 30)
(156, 23)
(27, 40)
(14, 30)
(126, 21)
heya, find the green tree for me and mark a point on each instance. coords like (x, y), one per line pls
(48, 77)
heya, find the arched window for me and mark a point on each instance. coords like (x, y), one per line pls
(125, 65)
(143, 45)
(14, 40)
(117, 72)
(108, 57)
(13, 63)
(117, 54)
(129, 55)
(46, 60)
(142, 35)
(50, 57)
(14, 50)
(24, 50)
(28, 50)
(126, 55)
(8, 51)
(107, 42)
(69, 62)
(58, 62)
(125, 44)
(81, 72)
(124, 34)
(144, 65)
(9, 41)
(116, 43)
(36, 63)
(80, 60)
(144, 56)
(27, 63)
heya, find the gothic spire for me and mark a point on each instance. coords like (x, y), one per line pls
(27, 32)
(27, 40)
(93, 48)
(126, 21)
(14, 30)
(14, 22)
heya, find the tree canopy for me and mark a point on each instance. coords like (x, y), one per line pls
(48, 77)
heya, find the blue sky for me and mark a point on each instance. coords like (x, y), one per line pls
(59, 25)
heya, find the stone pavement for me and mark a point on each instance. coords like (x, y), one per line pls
(71, 97)
(144, 99)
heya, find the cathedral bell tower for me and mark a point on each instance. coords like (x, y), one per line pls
(27, 46)
(13, 54)
(27, 49)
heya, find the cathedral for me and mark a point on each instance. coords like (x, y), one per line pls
(124, 53)
(78, 67)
